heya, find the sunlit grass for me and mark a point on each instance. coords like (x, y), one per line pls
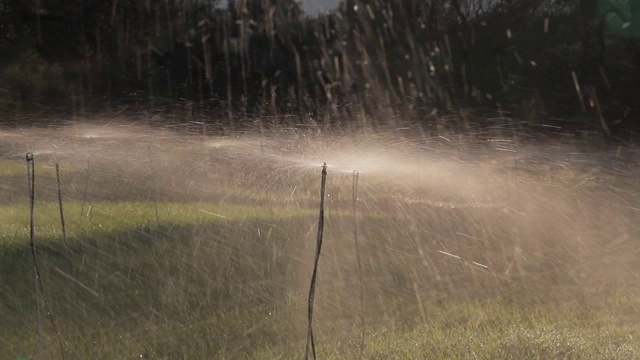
(495, 331)
(13, 168)
(102, 218)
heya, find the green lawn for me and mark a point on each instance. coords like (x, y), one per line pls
(229, 281)
(227, 277)
(99, 219)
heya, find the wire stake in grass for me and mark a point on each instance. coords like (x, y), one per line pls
(31, 192)
(356, 176)
(62, 222)
(312, 287)
(86, 187)
(153, 179)
(31, 180)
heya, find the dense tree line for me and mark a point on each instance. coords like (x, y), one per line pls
(532, 59)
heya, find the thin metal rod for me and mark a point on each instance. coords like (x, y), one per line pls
(31, 180)
(86, 187)
(62, 222)
(356, 176)
(31, 193)
(153, 179)
(312, 287)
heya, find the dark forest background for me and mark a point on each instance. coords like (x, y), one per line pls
(567, 63)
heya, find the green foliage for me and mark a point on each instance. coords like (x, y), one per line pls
(31, 79)
(378, 58)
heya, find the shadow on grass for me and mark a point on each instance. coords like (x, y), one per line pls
(218, 287)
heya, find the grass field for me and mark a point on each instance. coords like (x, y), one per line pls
(486, 259)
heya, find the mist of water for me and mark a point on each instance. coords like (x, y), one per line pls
(439, 217)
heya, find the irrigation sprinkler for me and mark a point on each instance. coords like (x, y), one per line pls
(62, 222)
(356, 176)
(39, 289)
(312, 287)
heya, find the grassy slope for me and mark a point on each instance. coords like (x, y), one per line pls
(156, 297)
(229, 280)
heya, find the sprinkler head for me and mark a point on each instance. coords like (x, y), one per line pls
(29, 157)
(324, 168)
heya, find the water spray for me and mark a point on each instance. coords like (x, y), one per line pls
(62, 222)
(312, 287)
(39, 289)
